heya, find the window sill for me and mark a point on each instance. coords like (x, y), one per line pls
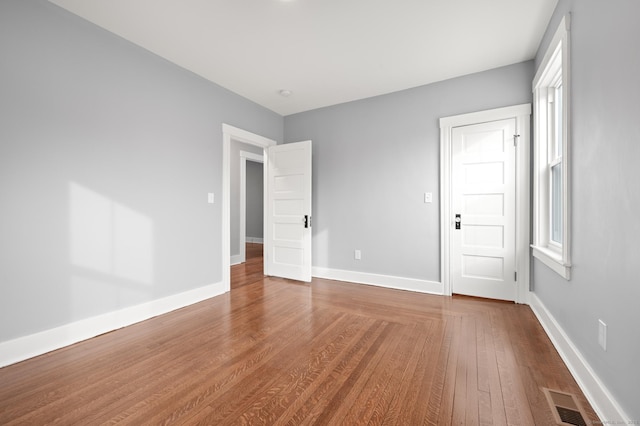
(553, 260)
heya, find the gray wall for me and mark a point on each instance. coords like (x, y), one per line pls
(107, 153)
(605, 156)
(234, 195)
(255, 200)
(374, 159)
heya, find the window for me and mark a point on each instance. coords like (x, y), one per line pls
(551, 143)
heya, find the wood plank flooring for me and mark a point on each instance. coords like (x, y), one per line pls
(278, 352)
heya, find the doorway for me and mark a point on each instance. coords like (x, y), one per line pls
(251, 203)
(287, 197)
(229, 134)
(485, 203)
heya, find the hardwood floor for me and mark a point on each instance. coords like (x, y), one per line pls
(250, 271)
(274, 351)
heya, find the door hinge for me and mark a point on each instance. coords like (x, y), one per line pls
(515, 276)
(515, 140)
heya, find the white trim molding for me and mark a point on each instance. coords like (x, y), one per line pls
(25, 347)
(388, 281)
(522, 114)
(553, 260)
(602, 401)
(230, 133)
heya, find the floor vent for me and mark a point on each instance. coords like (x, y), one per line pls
(566, 409)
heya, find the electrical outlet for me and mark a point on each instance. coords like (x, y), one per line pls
(428, 197)
(602, 334)
(357, 255)
(211, 198)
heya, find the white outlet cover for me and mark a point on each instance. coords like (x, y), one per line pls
(211, 198)
(428, 197)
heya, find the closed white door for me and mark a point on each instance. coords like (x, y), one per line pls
(483, 185)
(288, 228)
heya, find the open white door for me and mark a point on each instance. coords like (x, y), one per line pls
(288, 218)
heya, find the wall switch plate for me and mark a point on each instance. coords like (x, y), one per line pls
(357, 255)
(602, 334)
(428, 197)
(211, 198)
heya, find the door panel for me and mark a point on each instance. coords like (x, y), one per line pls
(483, 193)
(288, 241)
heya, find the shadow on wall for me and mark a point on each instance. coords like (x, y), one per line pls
(111, 249)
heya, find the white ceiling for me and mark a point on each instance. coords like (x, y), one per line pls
(325, 51)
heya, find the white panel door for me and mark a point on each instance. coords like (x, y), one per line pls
(288, 230)
(483, 199)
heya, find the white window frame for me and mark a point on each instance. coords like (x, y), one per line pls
(553, 71)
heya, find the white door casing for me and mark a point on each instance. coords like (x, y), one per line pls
(471, 260)
(230, 133)
(288, 224)
(483, 204)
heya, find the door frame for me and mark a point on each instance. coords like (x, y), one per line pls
(254, 158)
(230, 133)
(522, 114)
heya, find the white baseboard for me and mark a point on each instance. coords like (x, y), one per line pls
(255, 240)
(604, 404)
(399, 283)
(22, 348)
(235, 259)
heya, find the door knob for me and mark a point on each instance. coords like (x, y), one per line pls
(458, 221)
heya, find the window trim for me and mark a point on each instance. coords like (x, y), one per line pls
(555, 61)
